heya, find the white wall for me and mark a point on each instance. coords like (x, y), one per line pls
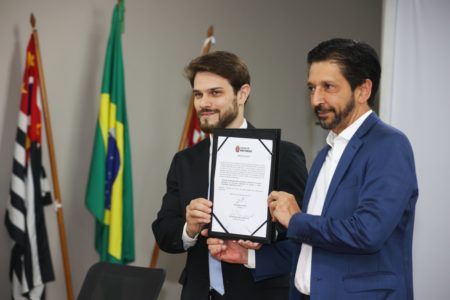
(417, 101)
(161, 37)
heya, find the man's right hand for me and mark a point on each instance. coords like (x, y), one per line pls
(198, 213)
(229, 251)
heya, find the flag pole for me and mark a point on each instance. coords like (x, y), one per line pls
(55, 180)
(184, 136)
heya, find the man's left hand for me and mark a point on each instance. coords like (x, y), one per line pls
(282, 207)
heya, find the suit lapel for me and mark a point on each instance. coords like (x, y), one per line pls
(344, 162)
(349, 153)
(199, 176)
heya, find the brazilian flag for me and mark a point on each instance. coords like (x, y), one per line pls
(109, 195)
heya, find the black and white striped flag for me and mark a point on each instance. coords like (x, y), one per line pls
(31, 265)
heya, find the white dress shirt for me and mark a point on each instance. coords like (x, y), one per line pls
(317, 199)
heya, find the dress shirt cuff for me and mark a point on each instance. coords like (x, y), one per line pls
(188, 242)
(251, 260)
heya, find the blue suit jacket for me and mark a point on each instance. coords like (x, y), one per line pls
(362, 242)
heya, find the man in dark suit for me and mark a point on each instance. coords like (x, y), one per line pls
(353, 239)
(221, 87)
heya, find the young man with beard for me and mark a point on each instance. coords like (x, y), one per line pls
(354, 232)
(221, 87)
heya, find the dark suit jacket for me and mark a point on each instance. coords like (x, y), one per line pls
(188, 179)
(362, 242)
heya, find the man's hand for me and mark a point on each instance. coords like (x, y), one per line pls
(250, 245)
(228, 251)
(282, 207)
(198, 213)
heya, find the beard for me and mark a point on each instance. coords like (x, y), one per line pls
(338, 117)
(225, 117)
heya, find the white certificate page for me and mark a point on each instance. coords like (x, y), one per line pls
(241, 186)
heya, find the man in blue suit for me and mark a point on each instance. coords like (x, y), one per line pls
(353, 239)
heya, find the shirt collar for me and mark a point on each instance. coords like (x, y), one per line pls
(244, 124)
(348, 132)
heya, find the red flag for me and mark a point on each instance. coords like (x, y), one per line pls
(195, 134)
(31, 265)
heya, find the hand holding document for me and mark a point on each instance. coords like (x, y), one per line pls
(198, 213)
(282, 207)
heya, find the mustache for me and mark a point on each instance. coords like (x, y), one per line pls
(321, 108)
(205, 110)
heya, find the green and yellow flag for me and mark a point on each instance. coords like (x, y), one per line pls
(109, 195)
